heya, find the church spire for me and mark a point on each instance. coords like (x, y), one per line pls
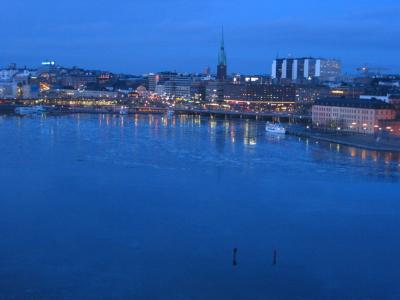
(222, 54)
(222, 64)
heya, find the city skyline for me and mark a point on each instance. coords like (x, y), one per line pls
(136, 38)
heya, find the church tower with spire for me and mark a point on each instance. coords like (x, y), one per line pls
(222, 65)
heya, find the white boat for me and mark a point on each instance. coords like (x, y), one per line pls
(275, 128)
(29, 110)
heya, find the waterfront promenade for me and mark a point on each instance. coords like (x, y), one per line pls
(363, 141)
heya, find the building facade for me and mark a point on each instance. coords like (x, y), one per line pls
(18, 83)
(254, 93)
(352, 115)
(306, 69)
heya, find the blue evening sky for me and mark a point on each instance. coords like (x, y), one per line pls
(153, 35)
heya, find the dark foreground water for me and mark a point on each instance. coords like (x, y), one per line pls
(103, 207)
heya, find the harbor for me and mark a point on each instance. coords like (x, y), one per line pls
(295, 124)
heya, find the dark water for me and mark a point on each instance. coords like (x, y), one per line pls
(103, 207)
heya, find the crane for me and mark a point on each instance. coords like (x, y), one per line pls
(367, 70)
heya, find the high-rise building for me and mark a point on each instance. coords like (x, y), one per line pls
(303, 69)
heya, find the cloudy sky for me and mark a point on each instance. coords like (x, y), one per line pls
(144, 36)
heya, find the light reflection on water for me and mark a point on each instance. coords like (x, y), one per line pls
(150, 207)
(222, 132)
(225, 136)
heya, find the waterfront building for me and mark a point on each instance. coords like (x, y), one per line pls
(81, 94)
(395, 101)
(306, 69)
(392, 126)
(352, 115)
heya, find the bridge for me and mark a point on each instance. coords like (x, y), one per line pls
(217, 113)
(269, 116)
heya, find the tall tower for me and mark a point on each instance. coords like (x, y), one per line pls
(222, 66)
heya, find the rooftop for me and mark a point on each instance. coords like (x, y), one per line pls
(356, 103)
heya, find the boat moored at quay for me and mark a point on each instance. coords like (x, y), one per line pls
(275, 128)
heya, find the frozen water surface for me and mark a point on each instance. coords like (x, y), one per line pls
(145, 207)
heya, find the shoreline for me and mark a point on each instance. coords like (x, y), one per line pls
(366, 142)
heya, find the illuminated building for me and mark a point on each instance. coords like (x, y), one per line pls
(395, 101)
(351, 92)
(260, 95)
(18, 83)
(48, 66)
(352, 115)
(305, 69)
(198, 90)
(178, 86)
(253, 79)
(311, 93)
(152, 81)
(157, 81)
(78, 81)
(81, 94)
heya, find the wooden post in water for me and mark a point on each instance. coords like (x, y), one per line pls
(234, 262)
